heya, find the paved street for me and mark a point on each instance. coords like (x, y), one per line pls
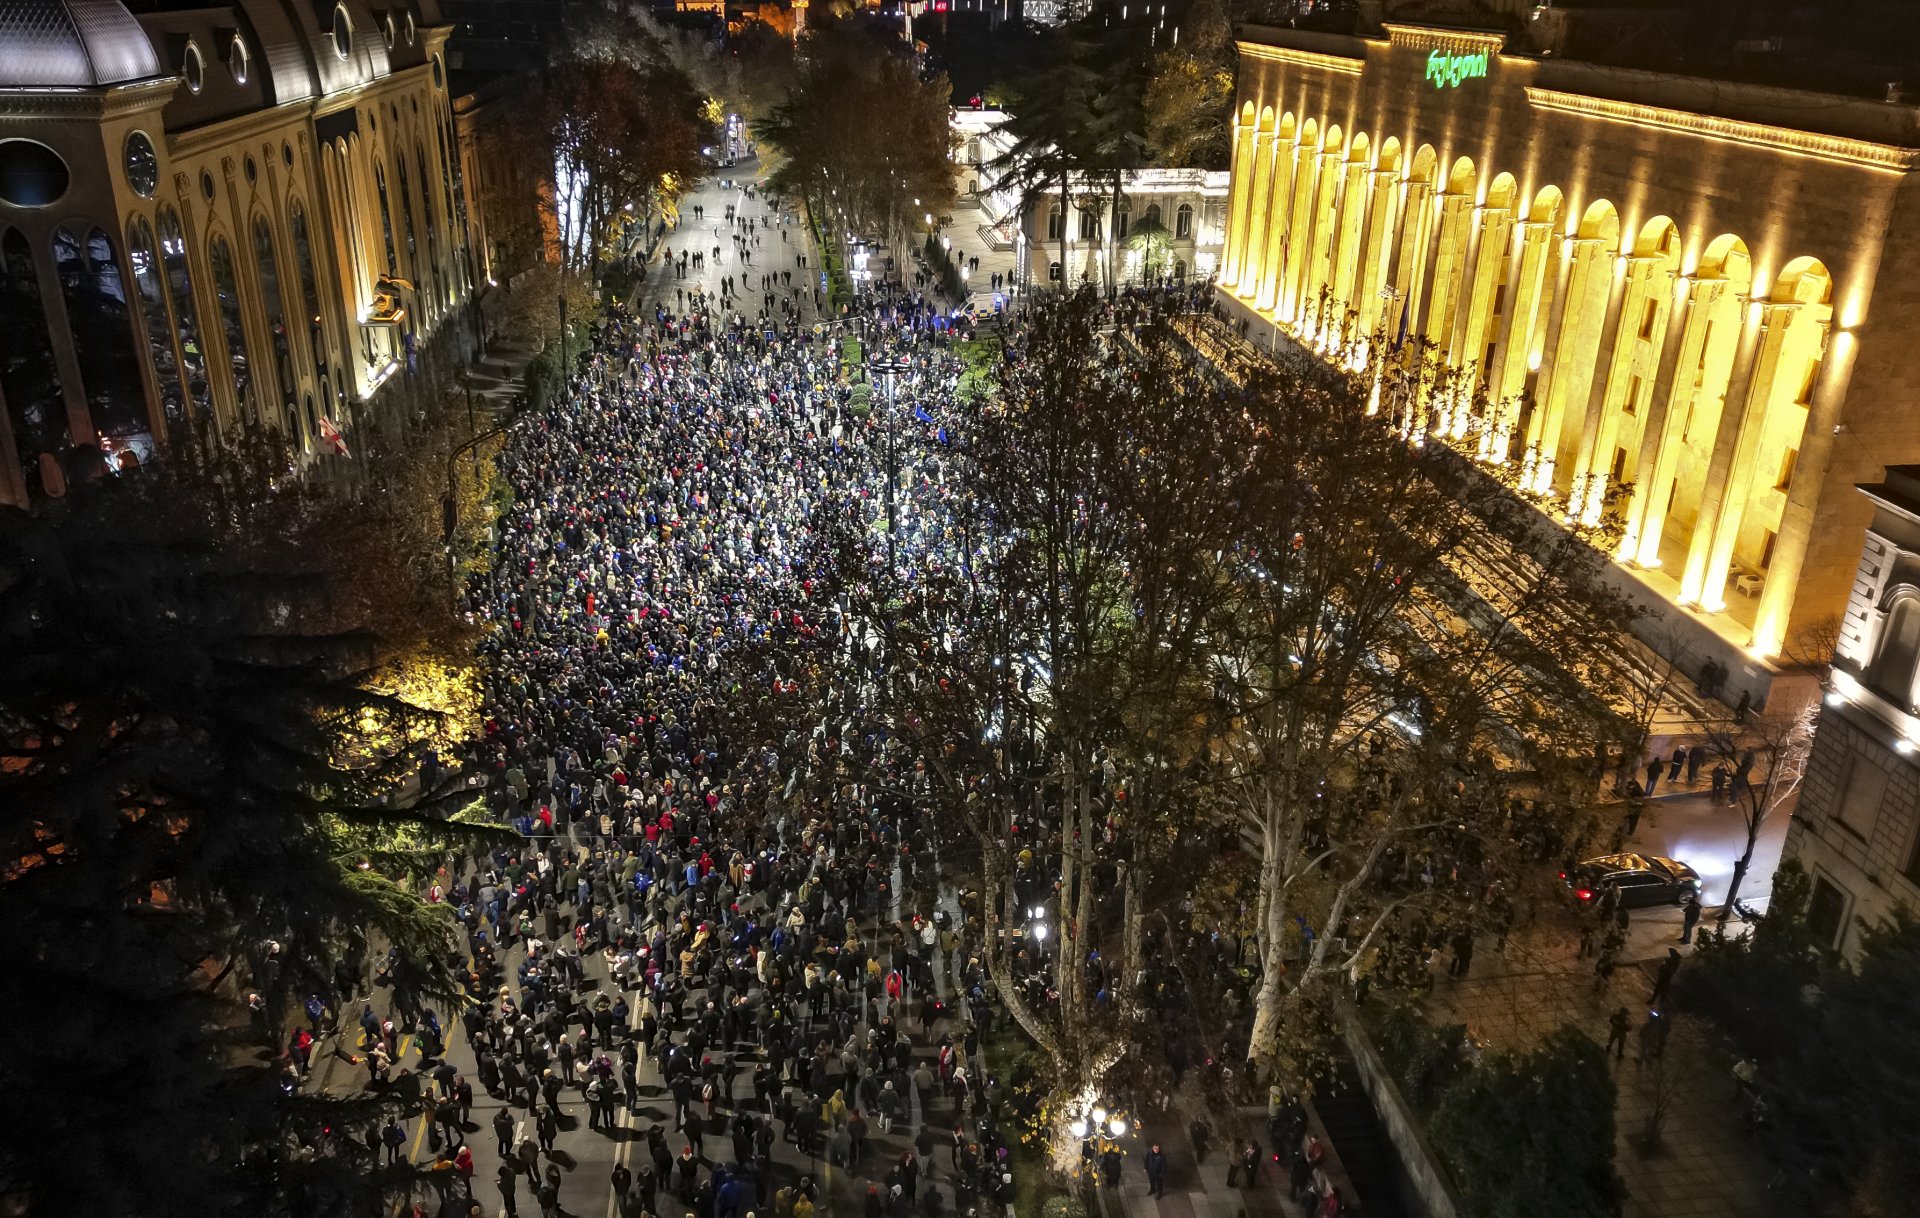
(781, 240)
(588, 1158)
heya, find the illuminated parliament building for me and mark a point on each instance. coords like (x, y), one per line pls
(1680, 296)
(218, 221)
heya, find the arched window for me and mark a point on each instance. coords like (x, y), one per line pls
(1089, 224)
(1898, 652)
(1122, 220)
(1053, 223)
(309, 294)
(1183, 222)
(280, 375)
(386, 218)
(193, 351)
(433, 236)
(1152, 214)
(456, 200)
(226, 292)
(412, 264)
(145, 257)
(35, 407)
(98, 316)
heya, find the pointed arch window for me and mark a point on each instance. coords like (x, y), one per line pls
(36, 409)
(149, 285)
(102, 327)
(386, 218)
(426, 209)
(193, 350)
(412, 264)
(280, 382)
(226, 292)
(309, 293)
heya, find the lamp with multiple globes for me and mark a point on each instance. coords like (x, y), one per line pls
(1097, 1121)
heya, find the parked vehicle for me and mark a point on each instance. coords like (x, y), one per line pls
(1640, 879)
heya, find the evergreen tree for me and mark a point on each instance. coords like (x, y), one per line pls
(199, 799)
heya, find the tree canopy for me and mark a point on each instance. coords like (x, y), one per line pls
(862, 134)
(201, 797)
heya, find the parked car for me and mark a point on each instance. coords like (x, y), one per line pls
(1641, 879)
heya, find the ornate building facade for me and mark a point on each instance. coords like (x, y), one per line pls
(1857, 826)
(1671, 294)
(1187, 208)
(218, 222)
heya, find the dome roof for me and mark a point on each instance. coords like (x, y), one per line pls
(72, 44)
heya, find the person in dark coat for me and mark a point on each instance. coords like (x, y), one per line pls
(1155, 1162)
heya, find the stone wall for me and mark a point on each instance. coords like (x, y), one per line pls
(1423, 1183)
(1866, 861)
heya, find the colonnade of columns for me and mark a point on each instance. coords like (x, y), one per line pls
(1645, 368)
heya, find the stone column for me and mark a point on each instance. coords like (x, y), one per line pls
(1299, 243)
(1723, 502)
(1569, 380)
(1252, 266)
(1792, 539)
(1239, 189)
(1514, 345)
(1607, 398)
(1661, 441)
(1279, 215)
(1378, 251)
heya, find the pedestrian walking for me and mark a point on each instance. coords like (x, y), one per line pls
(1618, 1025)
(1663, 979)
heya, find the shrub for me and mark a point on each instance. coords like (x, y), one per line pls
(1424, 1060)
(1532, 1133)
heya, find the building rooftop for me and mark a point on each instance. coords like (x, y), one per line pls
(78, 44)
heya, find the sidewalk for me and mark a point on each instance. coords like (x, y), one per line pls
(970, 242)
(1703, 1166)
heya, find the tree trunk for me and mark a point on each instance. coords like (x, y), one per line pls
(1065, 209)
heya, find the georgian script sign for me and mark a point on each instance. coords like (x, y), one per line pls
(1446, 71)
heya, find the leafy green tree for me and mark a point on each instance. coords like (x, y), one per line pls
(626, 131)
(199, 799)
(1531, 1133)
(1188, 100)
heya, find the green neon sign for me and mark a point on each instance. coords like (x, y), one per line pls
(1447, 71)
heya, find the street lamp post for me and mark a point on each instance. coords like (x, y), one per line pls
(890, 366)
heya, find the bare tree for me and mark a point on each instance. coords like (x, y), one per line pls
(1052, 679)
(1774, 745)
(1413, 648)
